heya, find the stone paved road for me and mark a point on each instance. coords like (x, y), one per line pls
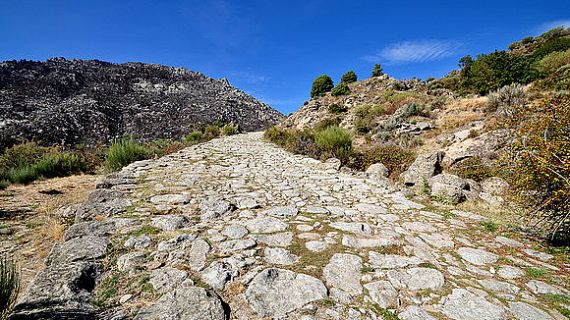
(239, 228)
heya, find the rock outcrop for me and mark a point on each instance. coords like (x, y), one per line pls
(74, 102)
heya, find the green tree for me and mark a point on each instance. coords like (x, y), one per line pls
(341, 89)
(377, 71)
(349, 77)
(321, 85)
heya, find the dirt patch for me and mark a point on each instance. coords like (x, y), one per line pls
(28, 224)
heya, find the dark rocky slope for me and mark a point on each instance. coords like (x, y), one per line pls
(73, 102)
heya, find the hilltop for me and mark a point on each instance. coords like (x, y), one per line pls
(71, 102)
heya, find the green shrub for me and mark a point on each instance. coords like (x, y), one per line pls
(349, 77)
(193, 136)
(377, 71)
(337, 108)
(60, 165)
(124, 152)
(506, 99)
(23, 174)
(276, 135)
(341, 89)
(365, 117)
(335, 141)
(321, 85)
(9, 286)
(327, 122)
(23, 154)
(413, 109)
(229, 130)
(211, 132)
(4, 183)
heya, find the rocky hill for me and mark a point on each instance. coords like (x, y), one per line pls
(73, 102)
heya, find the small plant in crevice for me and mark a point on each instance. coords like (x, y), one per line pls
(9, 285)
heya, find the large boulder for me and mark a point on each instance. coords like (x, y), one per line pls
(276, 292)
(482, 146)
(62, 291)
(450, 187)
(422, 169)
(192, 303)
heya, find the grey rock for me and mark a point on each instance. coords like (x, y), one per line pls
(415, 313)
(267, 290)
(216, 275)
(170, 222)
(508, 242)
(370, 208)
(214, 209)
(315, 210)
(279, 256)
(419, 226)
(167, 278)
(477, 256)
(464, 305)
(139, 242)
(391, 261)
(235, 231)
(524, 311)
(383, 294)
(130, 261)
(539, 287)
(59, 291)
(232, 246)
(282, 239)
(316, 246)
(192, 303)
(343, 272)
(265, 225)
(288, 211)
(353, 227)
(421, 170)
(169, 199)
(87, 248)
(450, 187)
(378, 172)
(510, 272)
(196, 256)
(417, 279)
(499, 287)
(370, 242)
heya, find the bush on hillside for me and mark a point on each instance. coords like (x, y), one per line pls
(335, 141)
(9, 285)
(124, 152)
(537, 162)
(473, 168)
(321, 85)
(349, 77)
(505, 100)
(60, 165)
(556, 68)
(337, 108)
(394, 158)
(193, 136)
(229, 130)
(377, 70)
(211, 132)
(365, 117)
(340, 89)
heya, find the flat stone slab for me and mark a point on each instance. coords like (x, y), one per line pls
(279, 256)
(417, 279)
(464, 305)
(368, 242)
(382, 293)
(353, 227)
(266, 225)
(288, 211)
(192, 303)
(524, 311)
(343, 273)
(391, 261)
(477, 256)
(276, 292)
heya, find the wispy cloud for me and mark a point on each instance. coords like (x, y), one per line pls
(551, 25)
(248, 77)
(415, 51)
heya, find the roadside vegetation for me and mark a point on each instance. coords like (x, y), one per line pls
(27, 162)
(9, 285)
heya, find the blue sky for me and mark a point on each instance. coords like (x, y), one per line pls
(274, 49)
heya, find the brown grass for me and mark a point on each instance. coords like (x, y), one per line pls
(31, 216)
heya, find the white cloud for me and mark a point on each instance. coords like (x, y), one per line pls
(551, 25)
(415, 51)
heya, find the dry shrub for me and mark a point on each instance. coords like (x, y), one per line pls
(396, 159)
(537, 163)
